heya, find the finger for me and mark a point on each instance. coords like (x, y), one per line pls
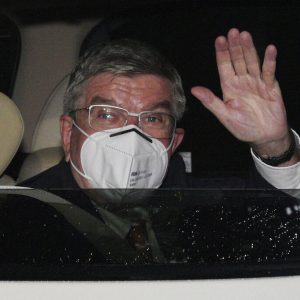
(210, 101)
(236, 52)
(269, 65)
(224, 64)
(250, 54)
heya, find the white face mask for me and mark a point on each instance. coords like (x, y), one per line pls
(123, 158)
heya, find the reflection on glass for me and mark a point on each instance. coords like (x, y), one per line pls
(202, 227)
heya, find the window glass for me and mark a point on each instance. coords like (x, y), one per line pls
(147, 234)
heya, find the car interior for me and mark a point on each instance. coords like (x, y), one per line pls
(11, 134)
(40, 43)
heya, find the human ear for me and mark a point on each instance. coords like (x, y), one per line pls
(179, 135)
(66, 125)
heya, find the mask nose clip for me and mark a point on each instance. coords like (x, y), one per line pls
(130, 130)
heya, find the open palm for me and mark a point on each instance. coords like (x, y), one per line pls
(252, 108)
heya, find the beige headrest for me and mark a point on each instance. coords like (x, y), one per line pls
(40, 161)
(11, 131)
(47, 132)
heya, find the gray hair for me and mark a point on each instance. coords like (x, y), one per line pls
(123, 57)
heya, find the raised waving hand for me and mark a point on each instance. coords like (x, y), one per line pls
(252, 107)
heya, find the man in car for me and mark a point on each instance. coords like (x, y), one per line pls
(119, 132)
(120, 110)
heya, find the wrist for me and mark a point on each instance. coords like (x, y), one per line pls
(277, 152)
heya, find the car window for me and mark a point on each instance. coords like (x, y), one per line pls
(199, 233)
(191, 234)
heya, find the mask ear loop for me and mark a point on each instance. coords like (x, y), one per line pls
(172, 140)
(72, 164)
(80, 129)
(171, 143)
(79, 172)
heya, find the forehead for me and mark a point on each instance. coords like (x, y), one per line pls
(138, 91)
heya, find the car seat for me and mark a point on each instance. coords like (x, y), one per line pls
(11, 134)
(46, 149)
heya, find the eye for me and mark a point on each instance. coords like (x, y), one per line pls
(153, 118)
(103, 114)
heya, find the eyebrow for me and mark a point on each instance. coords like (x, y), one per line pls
(100, 100)
(165, 104)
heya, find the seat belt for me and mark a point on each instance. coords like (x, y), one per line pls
(105, 240)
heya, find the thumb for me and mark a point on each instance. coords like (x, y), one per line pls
(210, 101)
